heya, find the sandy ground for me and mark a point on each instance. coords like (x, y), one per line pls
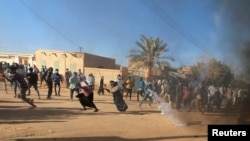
(62, 120)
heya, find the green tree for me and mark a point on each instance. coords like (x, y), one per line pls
(213, 72)
(163, 68)
(150, 53)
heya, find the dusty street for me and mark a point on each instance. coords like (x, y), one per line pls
(61, 119)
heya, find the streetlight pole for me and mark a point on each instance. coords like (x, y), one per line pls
(80, 48)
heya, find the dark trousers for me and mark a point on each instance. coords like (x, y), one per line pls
(50, 87)
(72, 92)
(140, 92)
(67, 82)
(129, 93)
(16, 86)
(59, 88)
(42, 78)
(101, 91)
(23, 96)
(35, 87)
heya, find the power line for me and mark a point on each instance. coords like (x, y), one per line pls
(161, 13)
(45, 21)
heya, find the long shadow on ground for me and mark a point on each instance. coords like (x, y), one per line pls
(19, 115)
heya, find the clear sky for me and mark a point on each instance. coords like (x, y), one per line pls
(110, 28)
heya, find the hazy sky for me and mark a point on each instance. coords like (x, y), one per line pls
(110, 28)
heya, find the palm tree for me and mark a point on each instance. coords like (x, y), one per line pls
(150, 53)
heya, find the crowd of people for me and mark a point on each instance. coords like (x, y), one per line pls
(183, 94)
(22, 78)
(179, 93)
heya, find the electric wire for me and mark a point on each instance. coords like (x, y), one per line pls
(162, 14)
(46, 22)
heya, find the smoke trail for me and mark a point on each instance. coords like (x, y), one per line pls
(235, 34)
(167, 110)
(245, 59)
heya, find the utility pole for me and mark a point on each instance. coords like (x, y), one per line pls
(80, 48)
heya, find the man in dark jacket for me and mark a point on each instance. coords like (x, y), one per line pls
(23, 85)
(32, 81)
(57, 80)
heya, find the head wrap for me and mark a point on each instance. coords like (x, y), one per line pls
(113, 83)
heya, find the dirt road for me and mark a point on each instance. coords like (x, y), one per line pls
(61, 119)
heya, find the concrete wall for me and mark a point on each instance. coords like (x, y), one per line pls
(109, 74)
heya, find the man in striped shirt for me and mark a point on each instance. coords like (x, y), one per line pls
(23, 85)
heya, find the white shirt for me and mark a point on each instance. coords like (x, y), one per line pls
(73, 80)
(211, 90)
(120, 83)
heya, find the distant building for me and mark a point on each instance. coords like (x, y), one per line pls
(88, 63)
(24, 59)
(72, 60)
(185, 70)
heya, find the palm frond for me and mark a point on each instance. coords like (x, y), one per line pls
(151, 51)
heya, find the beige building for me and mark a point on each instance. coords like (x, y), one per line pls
(72, 60)
(88, 63)
(185, 70)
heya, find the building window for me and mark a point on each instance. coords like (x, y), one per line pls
(72, 67)
(56, 64)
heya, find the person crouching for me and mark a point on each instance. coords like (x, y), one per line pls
(86, 95)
